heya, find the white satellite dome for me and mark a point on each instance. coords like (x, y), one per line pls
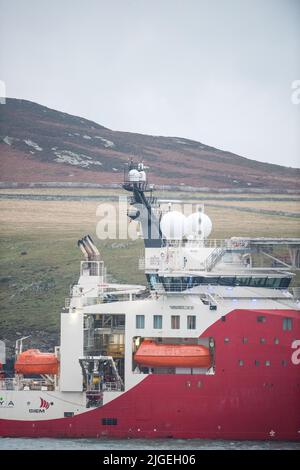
(143, 175)
(134, 175)
(198, 224)
(173, 224)
(207, 225)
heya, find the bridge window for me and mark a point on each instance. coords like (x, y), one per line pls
(226, 340)
(287, 324)
(285, 282)
(140, 321)
(268, 363)
(179, 284)
(241, 362)
(262, 340)
(258, 282)
(276, 340)
(175, 322)
(243, 281)
(210, 280)
(256, 363)
(152, 279)
(227, 281)
(269, 282)
(272, 282)
(191, 322)
(157, 322)
(245, 340)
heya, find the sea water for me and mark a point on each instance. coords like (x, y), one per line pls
(143, 444)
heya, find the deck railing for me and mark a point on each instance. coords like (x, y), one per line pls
(112, 387)
(25, 384)
(213, 258)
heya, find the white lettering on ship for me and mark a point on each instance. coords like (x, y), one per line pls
(296, 354)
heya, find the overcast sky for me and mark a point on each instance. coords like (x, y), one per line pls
(216, 71)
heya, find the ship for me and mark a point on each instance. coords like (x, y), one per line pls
(208, 348)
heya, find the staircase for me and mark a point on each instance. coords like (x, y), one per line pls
(213, 258)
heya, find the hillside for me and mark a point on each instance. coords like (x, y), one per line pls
(38, 144)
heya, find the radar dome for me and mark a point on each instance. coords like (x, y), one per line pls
(172, 225)
(198, 224)
(134, 175)
(143, 175)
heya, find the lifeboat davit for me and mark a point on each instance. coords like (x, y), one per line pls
(34, 361)
(2, 374)
(152, 354)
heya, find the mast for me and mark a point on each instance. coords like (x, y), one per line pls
(147, 207)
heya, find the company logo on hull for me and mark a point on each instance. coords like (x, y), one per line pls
(6, 403)
(44, 406)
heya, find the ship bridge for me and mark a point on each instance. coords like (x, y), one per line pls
(267, 246)
(205, 254)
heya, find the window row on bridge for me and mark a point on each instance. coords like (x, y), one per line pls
(175, 284)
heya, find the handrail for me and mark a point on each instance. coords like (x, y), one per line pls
(92, 268)
(204, 243)
(213, 258)
(112, 387)
(20, 384)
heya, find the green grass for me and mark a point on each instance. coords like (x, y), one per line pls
(33, 286)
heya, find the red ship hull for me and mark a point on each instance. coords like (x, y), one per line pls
(249, 401)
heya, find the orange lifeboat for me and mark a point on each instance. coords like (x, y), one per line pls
(34, 361)
(152, 354)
